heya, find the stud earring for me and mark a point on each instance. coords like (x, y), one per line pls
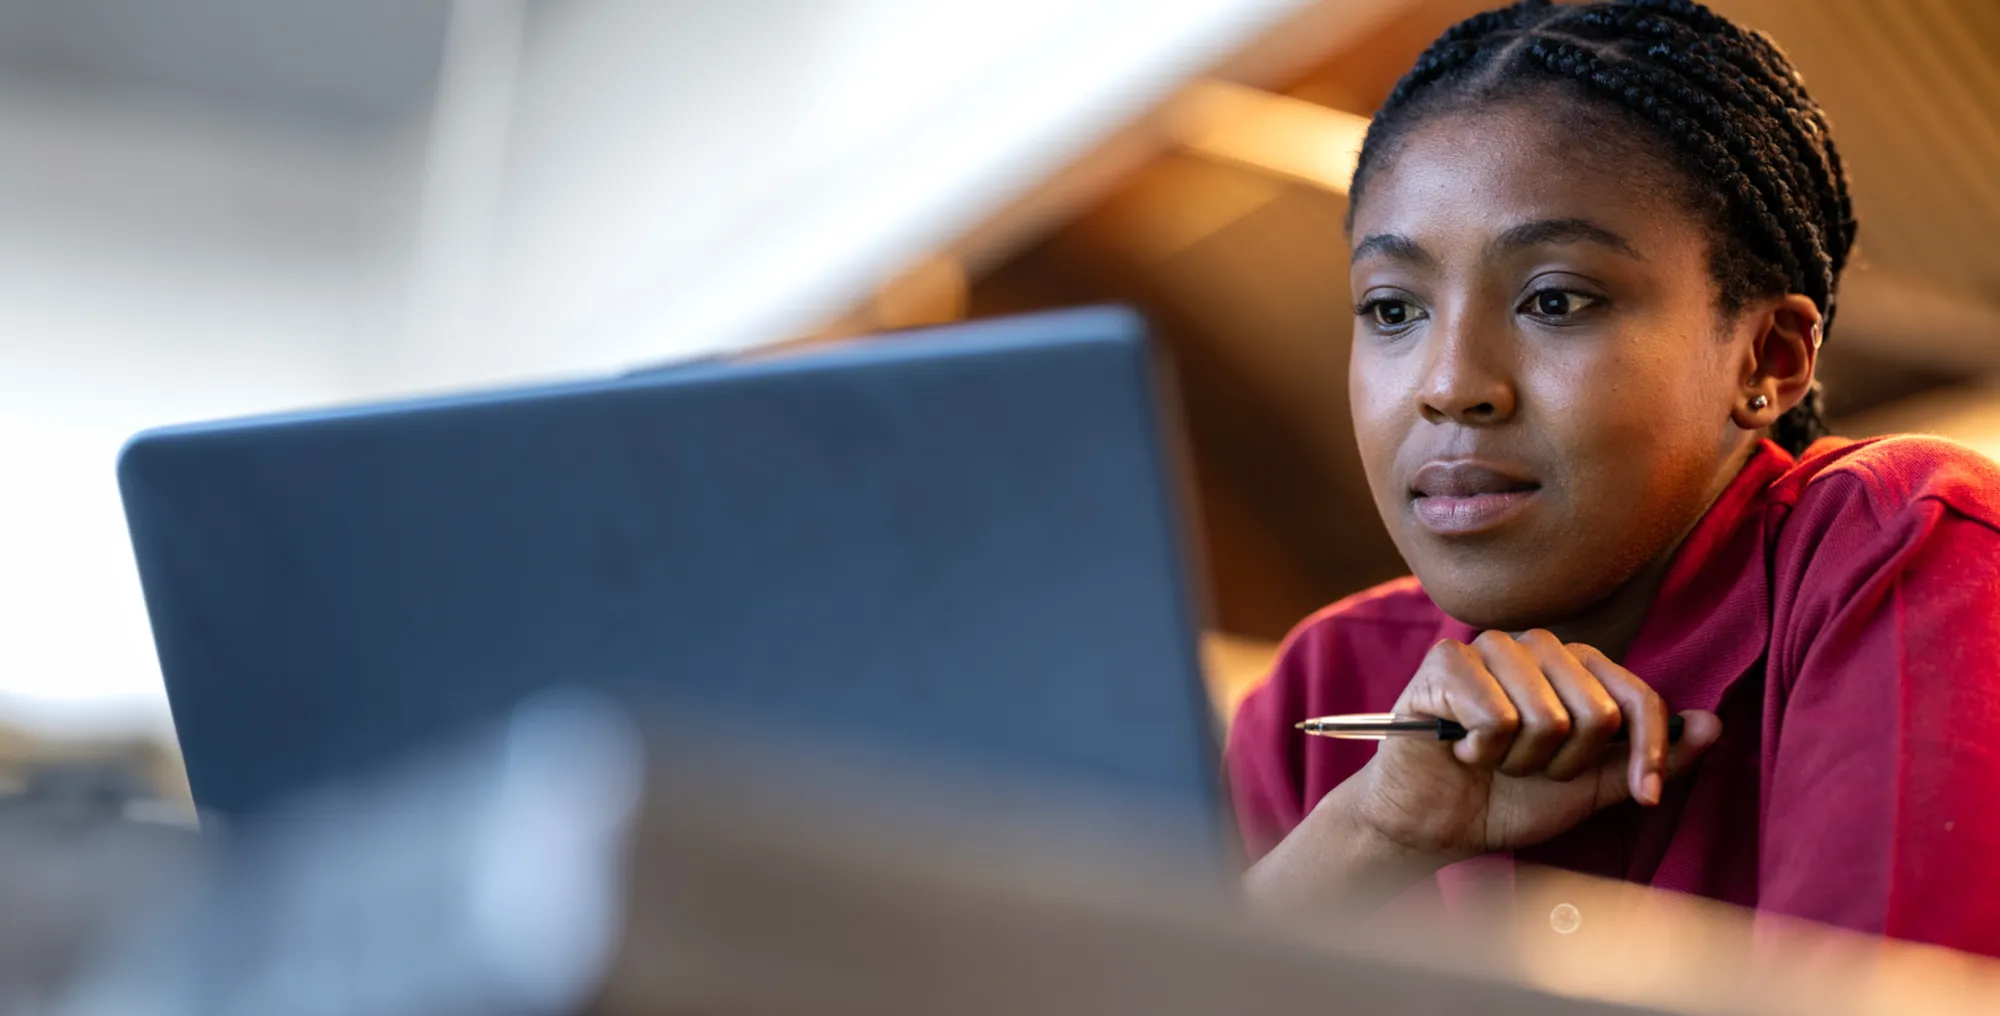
(1758, 403)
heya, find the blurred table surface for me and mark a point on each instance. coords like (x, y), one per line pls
(748, 880)
(751, 896)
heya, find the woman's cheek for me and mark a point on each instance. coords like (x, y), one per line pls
(1383, 413)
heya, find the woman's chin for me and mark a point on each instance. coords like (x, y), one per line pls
(1488, 594)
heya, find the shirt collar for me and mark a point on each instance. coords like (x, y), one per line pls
(1710, 622)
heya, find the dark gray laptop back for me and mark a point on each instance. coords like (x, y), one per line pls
(958, 547)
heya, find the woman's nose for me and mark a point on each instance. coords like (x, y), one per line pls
(1464, 381)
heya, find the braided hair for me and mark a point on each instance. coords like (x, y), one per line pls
(1756, 159)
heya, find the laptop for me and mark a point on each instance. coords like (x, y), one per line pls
(960, 549)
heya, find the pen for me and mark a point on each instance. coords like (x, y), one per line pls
(1376, 726)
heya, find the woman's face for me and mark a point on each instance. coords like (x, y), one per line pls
(1541, 380)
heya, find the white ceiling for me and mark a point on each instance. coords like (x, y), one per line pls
(356, 64)
(679, 184)
(226, 206)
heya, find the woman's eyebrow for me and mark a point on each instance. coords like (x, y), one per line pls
(1395, 246)
(1550, 231)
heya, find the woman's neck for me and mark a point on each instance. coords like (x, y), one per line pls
(1614, 623)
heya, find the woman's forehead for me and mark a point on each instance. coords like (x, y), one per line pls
(1487, 170)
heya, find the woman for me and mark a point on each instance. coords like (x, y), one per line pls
(1595, 252)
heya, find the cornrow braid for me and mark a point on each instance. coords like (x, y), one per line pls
(1724, 100)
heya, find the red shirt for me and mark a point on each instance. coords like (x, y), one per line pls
(1841, 613)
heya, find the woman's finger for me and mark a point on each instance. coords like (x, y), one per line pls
(1645, 721)
(1700, 729)
(1545, 723)
(1453, 684)
(1594, 716)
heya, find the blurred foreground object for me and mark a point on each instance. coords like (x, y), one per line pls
(1626, 943)
(90, 830)
(753, 881)
(80, 849)
(482, 882)
(783, 899)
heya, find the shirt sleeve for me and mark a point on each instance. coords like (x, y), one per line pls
(1884, 764)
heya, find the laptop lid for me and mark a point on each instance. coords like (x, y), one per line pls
(960, 546)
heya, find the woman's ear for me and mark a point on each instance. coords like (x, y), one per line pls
(1784, 349)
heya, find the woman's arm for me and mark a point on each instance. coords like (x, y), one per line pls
(1333, 858)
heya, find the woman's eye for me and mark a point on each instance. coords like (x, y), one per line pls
(1558, 303)
(1391, 313)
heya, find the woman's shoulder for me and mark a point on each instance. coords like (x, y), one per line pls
(1840, 484)
(1883, 538)
(1351, 657)
(1376, 636)
(1394, 613)
(1396, 603)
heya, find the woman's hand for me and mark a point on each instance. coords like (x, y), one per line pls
(1537, 757)
(1536, 760)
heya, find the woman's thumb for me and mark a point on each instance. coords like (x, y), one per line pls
(1699, 730)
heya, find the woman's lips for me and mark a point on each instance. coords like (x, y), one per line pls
(1456, 498)
(1458, 516)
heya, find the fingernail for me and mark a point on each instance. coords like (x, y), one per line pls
(1650, 786)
